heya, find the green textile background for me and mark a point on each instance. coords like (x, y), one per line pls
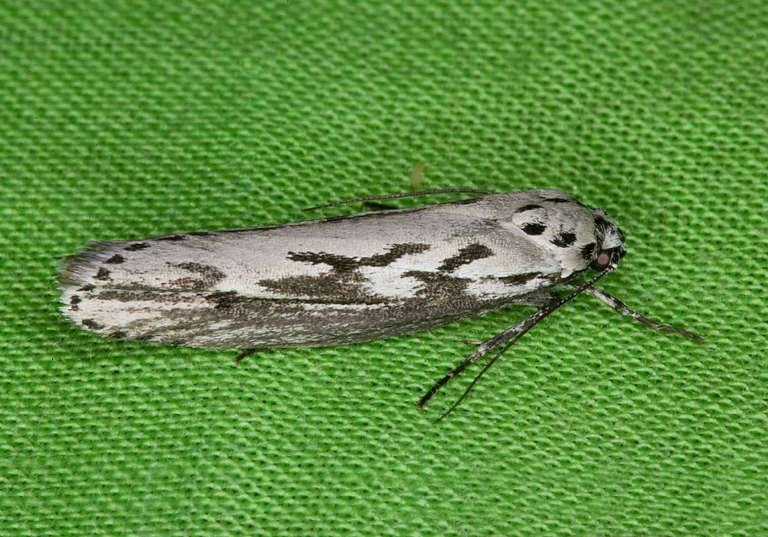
(130, 119)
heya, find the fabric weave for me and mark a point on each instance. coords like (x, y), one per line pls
(123, 120)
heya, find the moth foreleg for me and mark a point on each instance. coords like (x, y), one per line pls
(622, 308)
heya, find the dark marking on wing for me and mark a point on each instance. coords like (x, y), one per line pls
(136, 247)
(120, 334)
(533, 228)
(517, 279)
(465, 256)
(340, 288)
(172, 238)
(206, 271)
(325, 285)
(559, 200)
(115, 259)
(225, 299)
(200, 233)
(438, 285)
(564, 239)
(92, 325)
(87, 288)
(144, 296)
(102, 274)
(345, 264)
(75, 300)
(395, 252)
(207, 276)
(530, 207)
(339, 263)
(187, 283)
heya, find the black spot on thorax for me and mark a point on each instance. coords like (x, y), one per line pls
(587, 251)
(564, 239)
(533, 228)
(102, 274)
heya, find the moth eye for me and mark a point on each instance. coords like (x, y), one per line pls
(603, 260)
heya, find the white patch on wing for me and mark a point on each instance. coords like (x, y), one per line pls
(388, 284)
(493, 288)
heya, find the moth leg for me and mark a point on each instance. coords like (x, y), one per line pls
(245, 354)
(622, 308)
(546, 299)
(551, 302)
(539, 298)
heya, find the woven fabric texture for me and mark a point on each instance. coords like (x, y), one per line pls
(124, 120)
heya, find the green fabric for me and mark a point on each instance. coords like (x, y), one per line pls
(129, 119)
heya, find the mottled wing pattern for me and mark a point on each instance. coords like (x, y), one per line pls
(333, 281)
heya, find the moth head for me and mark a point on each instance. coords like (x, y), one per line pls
(576, 236)
(610, 240)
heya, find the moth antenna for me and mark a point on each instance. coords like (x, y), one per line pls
(403, 195)
(507, 338)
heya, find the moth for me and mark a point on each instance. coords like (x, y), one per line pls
(342, 280)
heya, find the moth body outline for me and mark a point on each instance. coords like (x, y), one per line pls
(348, 279)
